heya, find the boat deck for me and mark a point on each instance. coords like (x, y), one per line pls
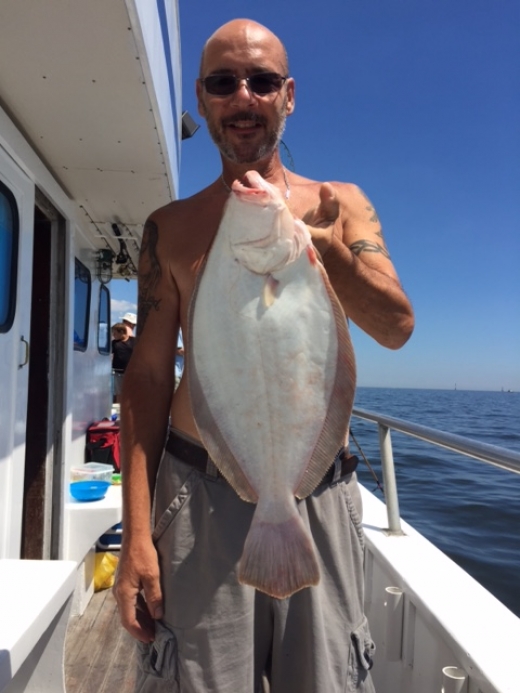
(100, 656)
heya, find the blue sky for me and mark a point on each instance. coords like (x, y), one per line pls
(417, 102)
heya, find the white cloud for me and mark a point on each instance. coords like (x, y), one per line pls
(118, 308)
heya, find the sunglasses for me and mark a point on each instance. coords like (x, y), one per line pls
(261, 83)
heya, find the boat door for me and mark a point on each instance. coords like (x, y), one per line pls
(16, 252)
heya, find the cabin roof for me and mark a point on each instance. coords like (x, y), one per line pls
(76, 81)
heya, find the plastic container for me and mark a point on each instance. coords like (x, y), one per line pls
(89, 490)
(92, 471)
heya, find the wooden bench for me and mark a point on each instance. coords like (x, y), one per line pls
(35, 599)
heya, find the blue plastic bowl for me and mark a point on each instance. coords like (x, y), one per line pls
(89, 490)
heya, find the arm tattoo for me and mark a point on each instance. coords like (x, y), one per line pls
(374, 218)
(369, 247)
(149, 279)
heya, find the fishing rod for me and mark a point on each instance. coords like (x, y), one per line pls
(379, 485)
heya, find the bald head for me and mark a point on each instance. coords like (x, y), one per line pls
(243, 37)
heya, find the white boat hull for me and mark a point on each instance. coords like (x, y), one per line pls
(444, 618)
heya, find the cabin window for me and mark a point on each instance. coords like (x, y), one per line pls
(104, 343)
(82, 291)
(9, 232)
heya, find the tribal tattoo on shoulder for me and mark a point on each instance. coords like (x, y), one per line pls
(149, 279)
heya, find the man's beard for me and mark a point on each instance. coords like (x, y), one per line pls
(248, 152)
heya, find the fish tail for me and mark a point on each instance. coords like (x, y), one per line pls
(279, 558)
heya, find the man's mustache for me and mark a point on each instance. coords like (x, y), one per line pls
(244, 116)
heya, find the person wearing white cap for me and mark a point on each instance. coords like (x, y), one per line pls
(130, 320)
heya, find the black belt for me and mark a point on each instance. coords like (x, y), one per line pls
(197, 456)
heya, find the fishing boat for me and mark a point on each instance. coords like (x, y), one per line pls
(90, 132)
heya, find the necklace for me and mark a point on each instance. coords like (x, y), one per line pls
(287, 186)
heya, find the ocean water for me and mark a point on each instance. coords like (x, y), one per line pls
(467, 508)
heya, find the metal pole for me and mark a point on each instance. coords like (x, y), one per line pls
(390, 484)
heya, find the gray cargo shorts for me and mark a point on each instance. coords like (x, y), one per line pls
(220, 636)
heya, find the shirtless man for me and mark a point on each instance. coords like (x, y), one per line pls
(209, 632)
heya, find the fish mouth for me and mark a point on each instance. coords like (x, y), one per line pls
(255, 190)
(250, 193)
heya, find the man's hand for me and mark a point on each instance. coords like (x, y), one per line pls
(138, 592)
(324, 220)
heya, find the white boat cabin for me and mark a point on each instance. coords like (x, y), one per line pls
(90, 132)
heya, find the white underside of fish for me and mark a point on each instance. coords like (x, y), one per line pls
(272, 376)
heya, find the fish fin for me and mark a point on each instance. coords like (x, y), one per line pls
(279, 558)
(228, 466)
(268, 294)
(335, 426)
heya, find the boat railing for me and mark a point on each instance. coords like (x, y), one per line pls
(491, 454)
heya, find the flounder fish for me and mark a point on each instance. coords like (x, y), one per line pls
(271, 375)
